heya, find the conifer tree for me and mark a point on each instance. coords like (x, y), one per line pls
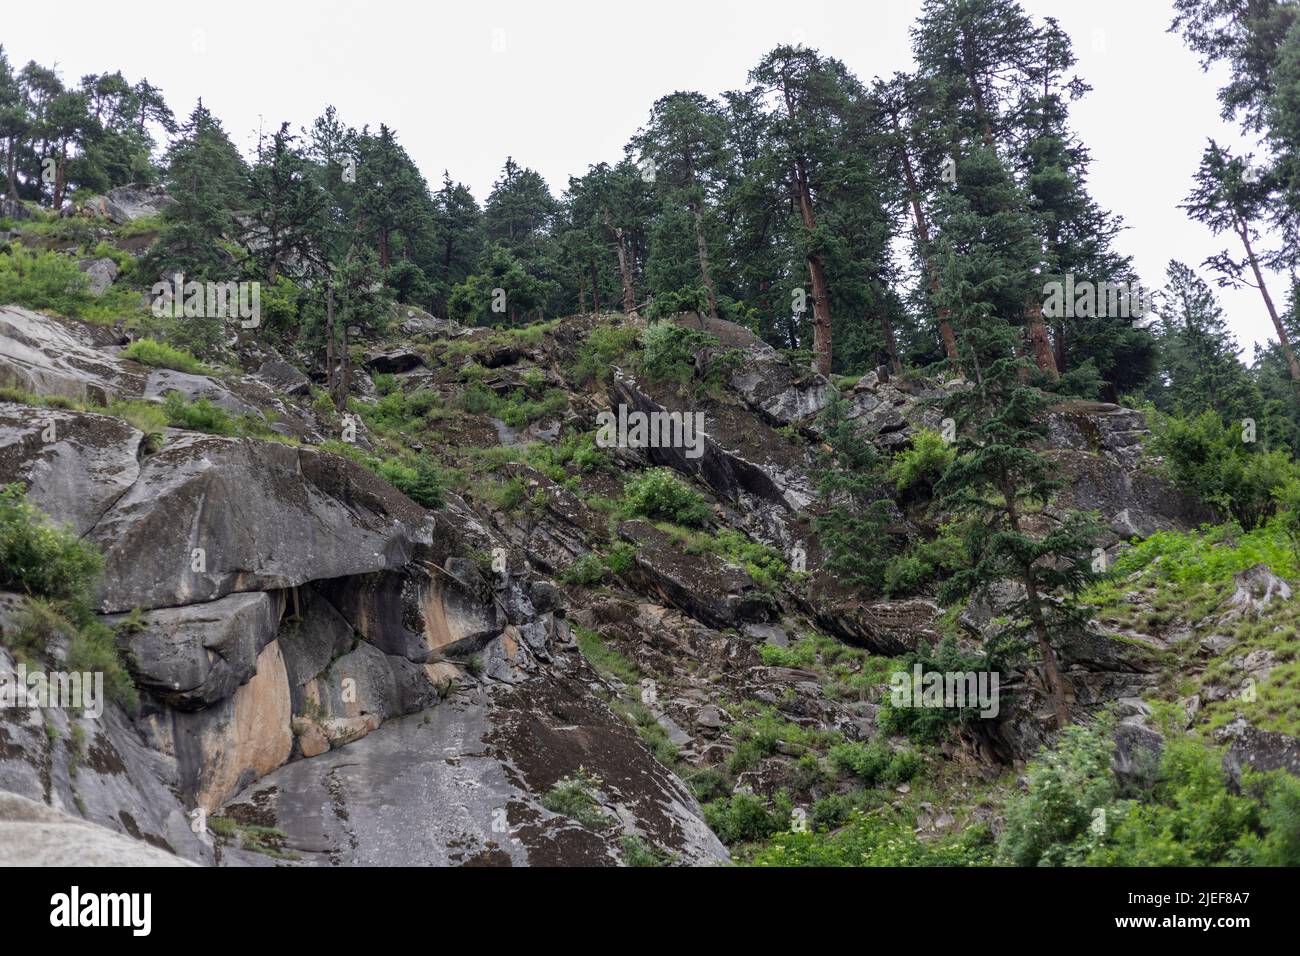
(1001, 480)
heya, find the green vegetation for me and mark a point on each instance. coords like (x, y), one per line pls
(1221, 463)
(607, 661)
(160, 355)
(575, 796)
(878, 838)
(658, 494)
(59, 573)
(605, 347)
(1075, 812)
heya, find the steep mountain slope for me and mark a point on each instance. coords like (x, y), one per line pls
(526, 667)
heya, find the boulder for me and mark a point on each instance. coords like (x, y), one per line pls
(127, 203)
(703, 585)
(195, 655)
(211, 516)
(100, 274)
(49, 356)
(75, 465)
(15, 210)
(398, 359)
(1257, 588)
(283, 378)
(32, 834)
(1260, 750)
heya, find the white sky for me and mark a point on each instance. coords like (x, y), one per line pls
(563, 85)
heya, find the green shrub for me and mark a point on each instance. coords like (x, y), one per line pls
(708, 784)
(1065, 786)
(929, 724)
(606, 346)
(744, 818)
(422, 482)
(660, 496)
(875, 840)
(161, 355)
(588, 570)
(921, 465)
(636, 853)
(606, 661)
(875, 763)
(200, 415)
(575, 797)
(38, 558)
(59, 572)
(1209, 459)
(42, 280)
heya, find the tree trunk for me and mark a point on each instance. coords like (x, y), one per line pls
(345, 376)
(624, 271)
(383, 247)
(11, 170)
(1283, 339)
(1039, 341)
(1051, 669)
(923, 240)
(329, 340)
(817, 273)
(1034, 605)
(702, 249)
(891, 345)
(822, 344)
(595, 290)
(946, 333)
(977, 95)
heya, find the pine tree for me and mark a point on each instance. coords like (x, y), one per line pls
(208, 179)
(1226, 200)
(686, 141)
(286, 205)
(1198, 356)
(810, 96)
(1002, 481)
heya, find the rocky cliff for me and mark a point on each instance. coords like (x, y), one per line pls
(331, 673)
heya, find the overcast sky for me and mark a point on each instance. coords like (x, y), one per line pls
(561, 86)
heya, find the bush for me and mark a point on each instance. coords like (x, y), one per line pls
(1065, 786)
(38, 558)
(660, 496)
(929, 724)
(161, 355)
(588, 570)
(744, 818)
(875, 763)
(575, 797)
(200, 415)
(422, 482)
(875, 840)
(636, 853)
(1209, 459)
(923, 464)
(606, 346)
(59, 572)
(42, 280)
